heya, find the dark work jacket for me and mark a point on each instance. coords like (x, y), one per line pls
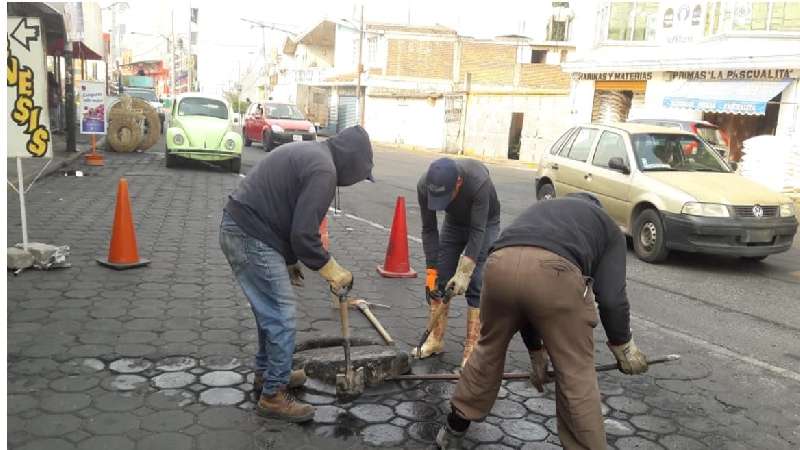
(284, 198)
(474, 207)
(587, 236)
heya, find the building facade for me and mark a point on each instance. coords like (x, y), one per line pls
(732, 63)
(430, 88)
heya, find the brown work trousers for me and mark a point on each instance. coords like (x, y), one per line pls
(532, 285)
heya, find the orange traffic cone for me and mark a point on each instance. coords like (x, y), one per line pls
(396, 264)
(323, 232)
(122, 253)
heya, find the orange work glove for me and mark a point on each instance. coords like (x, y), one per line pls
(430, 283)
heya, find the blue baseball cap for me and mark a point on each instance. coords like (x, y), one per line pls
(440, 182)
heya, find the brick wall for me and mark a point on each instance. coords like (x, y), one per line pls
(488, 63)
(421, 59)
(543, 76)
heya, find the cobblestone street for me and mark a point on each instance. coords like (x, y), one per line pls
(160, 357)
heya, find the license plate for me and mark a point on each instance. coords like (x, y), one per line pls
(297, 137)
(759, 236)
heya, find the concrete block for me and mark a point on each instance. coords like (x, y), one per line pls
(19, 258)
(378, 362)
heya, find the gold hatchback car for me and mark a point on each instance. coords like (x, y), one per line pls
(668, 190)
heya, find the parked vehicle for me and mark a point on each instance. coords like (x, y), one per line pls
(711, 133)
(668, 190)
(273, 124)
(148, 95)
(202, 128)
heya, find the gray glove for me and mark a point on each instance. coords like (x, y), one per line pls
(295, 274)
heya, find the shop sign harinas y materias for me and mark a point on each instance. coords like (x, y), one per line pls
(26, 92)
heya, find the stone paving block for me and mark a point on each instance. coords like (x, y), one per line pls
(52, 425)
(228, 439)
(112, 423)
(18, 403)
(631, 443)
(161, 441)
(383, 435)
(74, 383)
(119, 401)
(167, 421)
(221, 396)
(107, 443)
(64, 403)
(48, 444)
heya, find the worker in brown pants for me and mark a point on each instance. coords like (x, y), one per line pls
(538, 279)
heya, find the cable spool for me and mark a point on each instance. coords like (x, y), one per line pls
(124, 133)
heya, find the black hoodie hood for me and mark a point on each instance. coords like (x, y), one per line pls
(352, 155)
(585, 196)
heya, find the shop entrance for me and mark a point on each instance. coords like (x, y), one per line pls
(741, 127)
(614, 100)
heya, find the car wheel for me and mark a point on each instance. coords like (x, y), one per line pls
(247, 142)
(754, 259)
(649, 241)
(546, 192)
(266, 141)
(236, 165)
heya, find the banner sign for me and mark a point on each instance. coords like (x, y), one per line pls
(720, 106)
(27, 119)
(92, 106)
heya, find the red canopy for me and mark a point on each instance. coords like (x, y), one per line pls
(79, 50)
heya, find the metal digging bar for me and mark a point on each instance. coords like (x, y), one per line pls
(519, 375)
(350, 384)
(448, 295)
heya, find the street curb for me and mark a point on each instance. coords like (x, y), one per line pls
(526, 166)
(54, 166)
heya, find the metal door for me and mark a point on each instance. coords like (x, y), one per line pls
(347, 112)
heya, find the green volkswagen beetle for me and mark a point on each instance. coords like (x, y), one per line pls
(201, 129)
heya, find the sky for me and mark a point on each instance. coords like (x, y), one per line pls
(229, 46)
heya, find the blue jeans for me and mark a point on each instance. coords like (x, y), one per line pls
(452, 241)
(262, 274)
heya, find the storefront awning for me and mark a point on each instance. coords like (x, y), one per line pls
(732, 97)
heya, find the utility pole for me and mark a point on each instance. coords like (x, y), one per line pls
(69, 95)
(172, 52)
(264, 27)
(359, 69)
(190, 64)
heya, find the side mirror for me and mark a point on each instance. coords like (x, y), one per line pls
(616, 163)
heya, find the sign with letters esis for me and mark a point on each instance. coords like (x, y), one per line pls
(27, 119)
(92, 107)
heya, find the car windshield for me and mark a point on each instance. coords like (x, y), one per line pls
(195, 106)
(674, 152)
(283, 111)
(711, 134)
(149, 96)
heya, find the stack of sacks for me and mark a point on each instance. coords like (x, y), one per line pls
(773, 161)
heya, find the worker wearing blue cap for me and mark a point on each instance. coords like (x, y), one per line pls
(455, 254)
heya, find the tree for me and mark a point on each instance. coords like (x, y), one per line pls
(239, 105)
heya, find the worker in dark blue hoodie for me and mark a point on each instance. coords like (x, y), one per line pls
(270, 225)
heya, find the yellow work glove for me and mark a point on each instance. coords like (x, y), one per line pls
(338, 277)
(295, 274)
(539, 362)
(630, 359)
(460, 281)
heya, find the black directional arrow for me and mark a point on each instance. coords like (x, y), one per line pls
(25, 34)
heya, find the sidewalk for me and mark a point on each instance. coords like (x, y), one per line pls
(31, 167)
(159, 357)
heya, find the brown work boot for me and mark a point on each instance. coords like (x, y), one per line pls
(283, 406)
(296, 379)
(473, 332)
(435, 342)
